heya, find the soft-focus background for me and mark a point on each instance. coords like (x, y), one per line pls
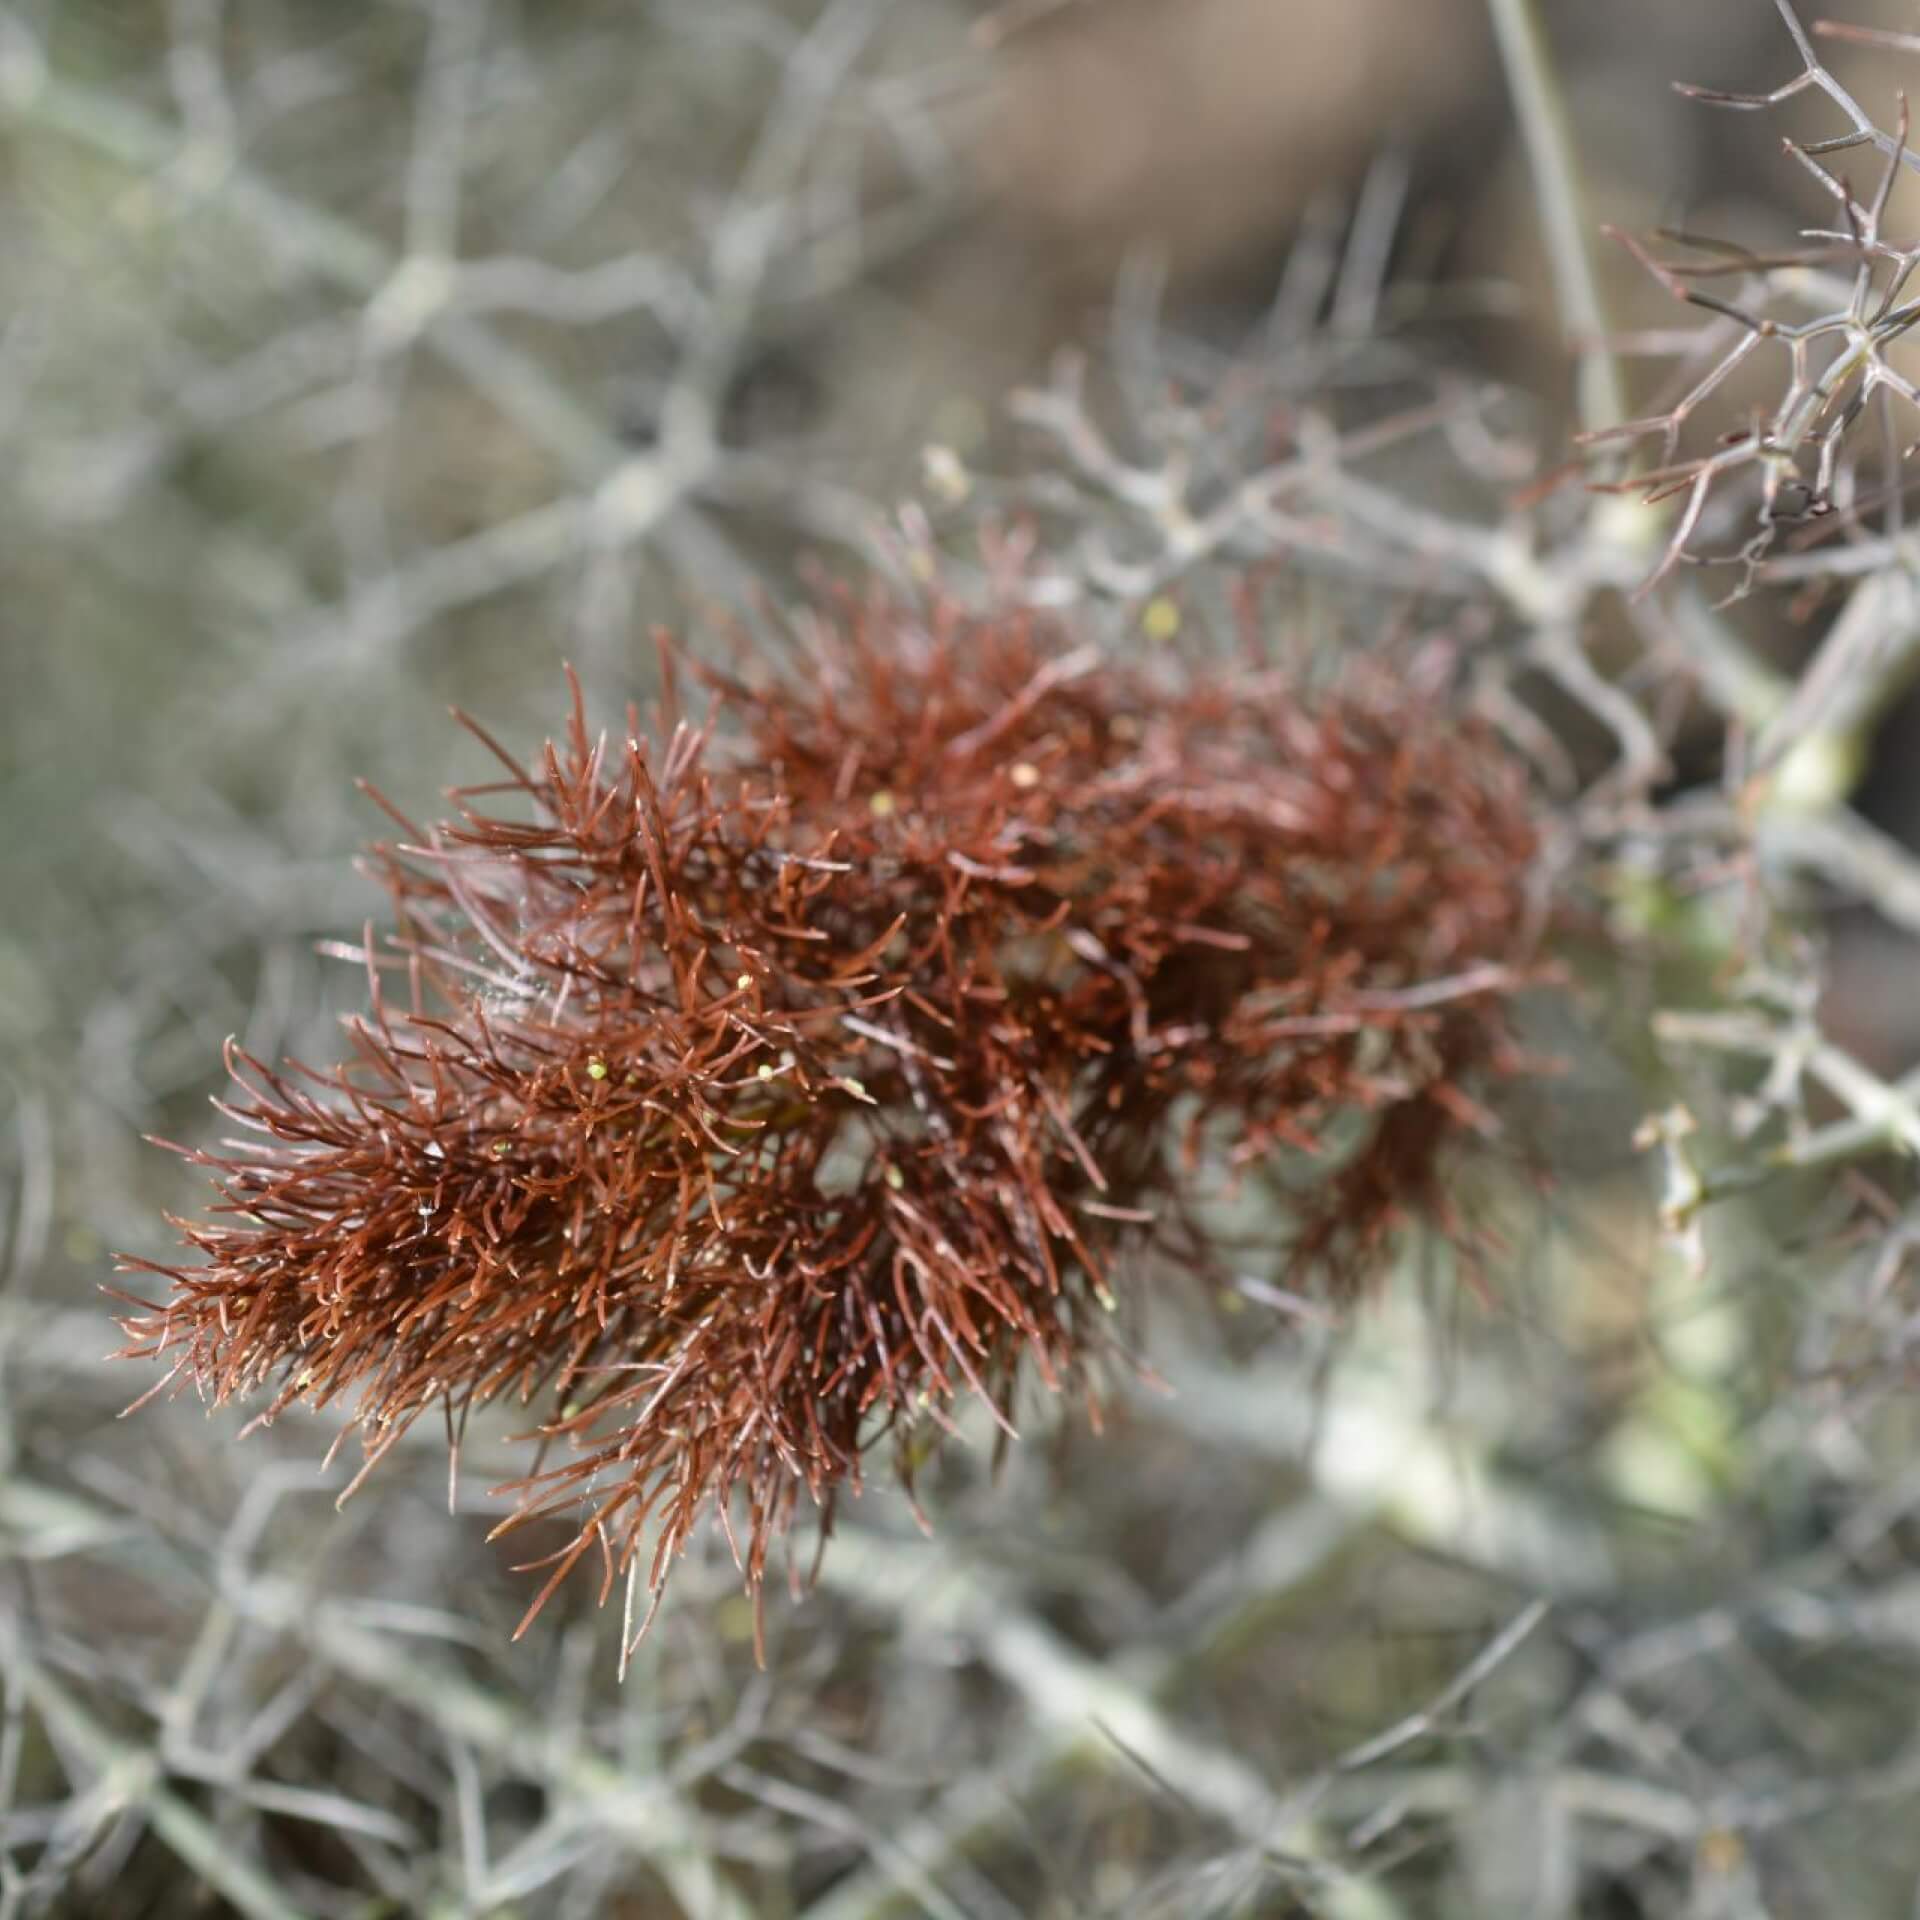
(357, 360)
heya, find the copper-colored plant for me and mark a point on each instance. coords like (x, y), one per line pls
(744, 1097)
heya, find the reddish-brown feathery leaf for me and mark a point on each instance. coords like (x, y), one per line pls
(755, 1097)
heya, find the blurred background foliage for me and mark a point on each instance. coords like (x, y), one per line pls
(359, 360)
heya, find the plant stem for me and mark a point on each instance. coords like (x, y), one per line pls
(1548, 137)
(131, 1777)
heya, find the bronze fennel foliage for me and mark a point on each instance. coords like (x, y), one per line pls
(744, 1097)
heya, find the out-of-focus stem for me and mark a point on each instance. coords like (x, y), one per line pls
(1547, 134)
(1816, 747)
(1078, 1706)
(131, 1778)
